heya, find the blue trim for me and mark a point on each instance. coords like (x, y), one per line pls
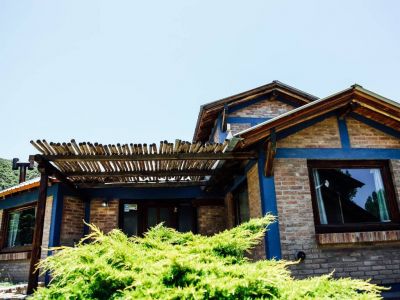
(303, 125)
(268, 201)
(246, 120)
(344, 133)
(147, 193)
(376, 125)
(23, 198)
(338, 153)
(87, 216)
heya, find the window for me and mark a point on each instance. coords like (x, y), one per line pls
(241, 203)
(19, 227)
(353, 196)
(136, 216)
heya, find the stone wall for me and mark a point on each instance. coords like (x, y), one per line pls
(211, 219)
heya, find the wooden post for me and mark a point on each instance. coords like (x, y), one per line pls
(38, 233)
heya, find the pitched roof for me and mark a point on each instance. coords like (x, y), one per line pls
(23, 186)
(355, 99)
(209, 112)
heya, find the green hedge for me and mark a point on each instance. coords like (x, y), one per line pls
(165, 264)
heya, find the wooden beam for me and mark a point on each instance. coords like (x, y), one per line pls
(50, 169)
(144, 157)
(155, 173)
(142, 185)
(270, 155)
(224, 117)
(345, 110)
(38, 232)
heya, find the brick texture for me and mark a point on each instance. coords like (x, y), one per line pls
(324, 134)
(364, 136)
(253, 187)
(211, 219)
(238, 127)
(268, 108)
(106, 218)
(378, 261)
(395, 167)
(72, 221)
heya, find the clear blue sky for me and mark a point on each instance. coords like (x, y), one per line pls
(137, 71)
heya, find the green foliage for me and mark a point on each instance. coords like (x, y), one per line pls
(9, 177)
(165, 264)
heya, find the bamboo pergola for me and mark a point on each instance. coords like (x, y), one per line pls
(88, 164)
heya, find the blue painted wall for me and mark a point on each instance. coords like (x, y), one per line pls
(268, 204)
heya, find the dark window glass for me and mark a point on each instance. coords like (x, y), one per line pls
(20, 227)
(130, 219)
(185, 218)
(241, 200)
(350, 196)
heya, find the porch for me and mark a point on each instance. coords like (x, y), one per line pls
(134, 187)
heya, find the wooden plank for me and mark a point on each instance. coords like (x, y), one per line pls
(38, 233)
(142, 185)
(159, 157)
(159, 173)
(270, 155)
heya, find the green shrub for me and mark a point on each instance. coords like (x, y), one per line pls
(165, 264)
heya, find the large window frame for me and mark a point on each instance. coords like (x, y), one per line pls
(383, 166)
(5, 229)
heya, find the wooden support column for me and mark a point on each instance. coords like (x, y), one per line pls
(270, 155)
(38, 233)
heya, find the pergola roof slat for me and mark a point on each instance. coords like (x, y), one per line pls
(179, 162)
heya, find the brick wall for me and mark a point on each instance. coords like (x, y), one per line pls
(268, 108)
(238, 127)
(324, 134)
(253, 187)
(378, 261)
(364, 136)
(46, 226)
(106, 218)
(211, 219)
(72, 220)
(395, 167)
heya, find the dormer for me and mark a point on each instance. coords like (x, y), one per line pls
(233, 114)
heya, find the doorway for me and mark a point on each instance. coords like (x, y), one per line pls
(137, 216)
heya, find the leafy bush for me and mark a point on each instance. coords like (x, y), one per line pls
(165, 264)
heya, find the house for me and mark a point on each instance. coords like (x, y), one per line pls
(329, 169)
